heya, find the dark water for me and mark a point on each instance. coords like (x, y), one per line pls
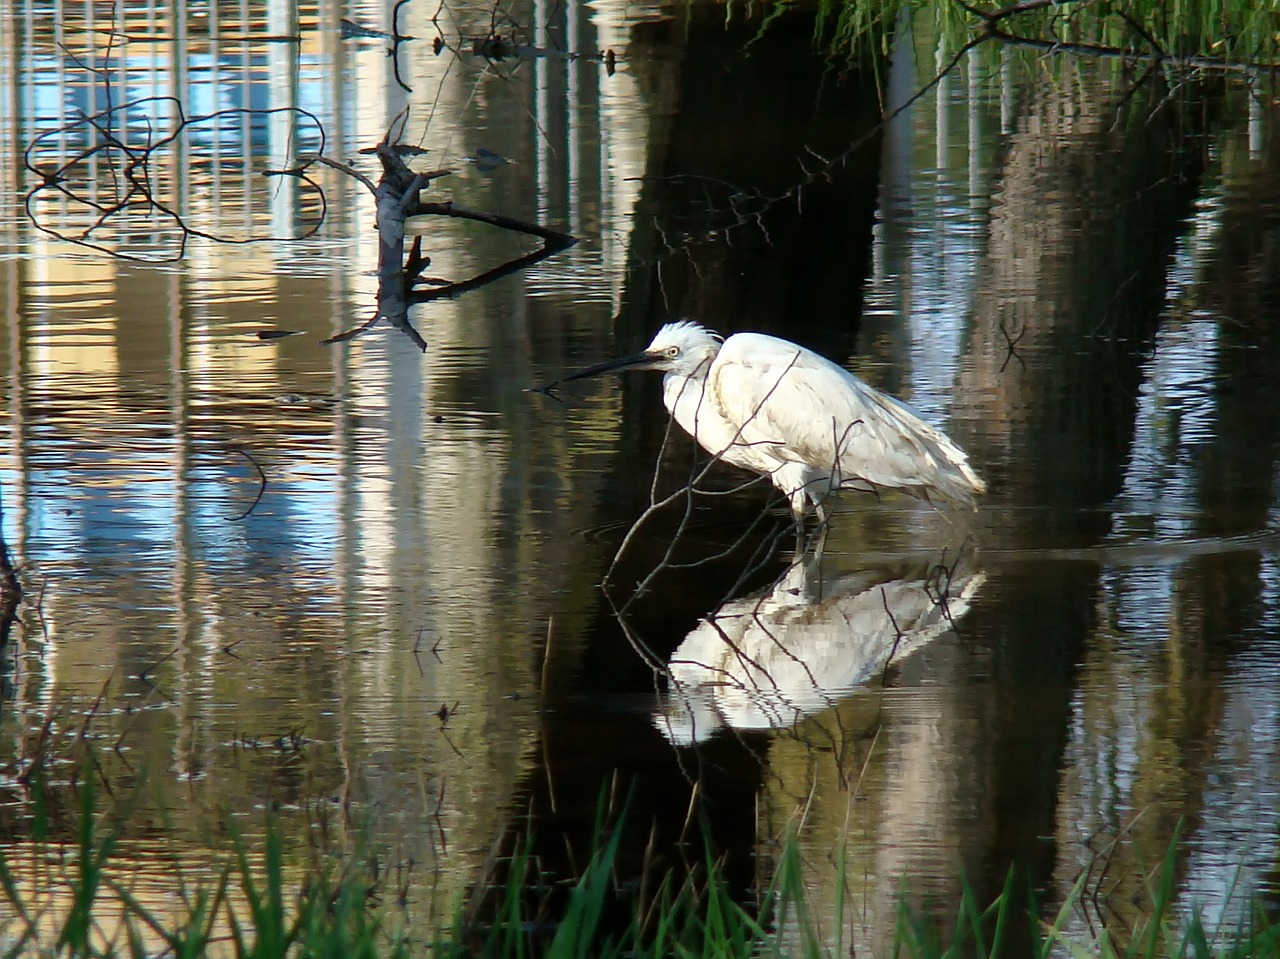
(1069, 265)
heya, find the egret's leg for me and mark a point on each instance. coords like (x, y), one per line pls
(820, 535)
(821, 544)
(820, 508)
(798, 504)
(823, 524)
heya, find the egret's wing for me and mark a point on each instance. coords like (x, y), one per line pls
(809, 410)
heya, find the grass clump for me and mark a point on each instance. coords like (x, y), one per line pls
(65, 900)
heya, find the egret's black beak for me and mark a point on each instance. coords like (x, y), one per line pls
(636, 361)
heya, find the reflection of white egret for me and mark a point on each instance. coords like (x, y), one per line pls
(780, 410)
(768, 660)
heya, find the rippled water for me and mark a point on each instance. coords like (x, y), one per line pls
(362, 584)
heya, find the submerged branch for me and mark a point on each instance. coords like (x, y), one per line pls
(10, 593)
(398, 194)
(349, 171)
(103, 218)
(563, 240)
(353, 332)
(102, 214)
(488, 276)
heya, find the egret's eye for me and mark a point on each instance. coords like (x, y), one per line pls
(673, 351)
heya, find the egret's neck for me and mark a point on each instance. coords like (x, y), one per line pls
(684, 391)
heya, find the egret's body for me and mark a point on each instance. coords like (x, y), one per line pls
(777, 409)
(767, 660)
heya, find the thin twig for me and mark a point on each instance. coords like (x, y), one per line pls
(262, 487)
(495, 219)
(349, 171)
(353, 332)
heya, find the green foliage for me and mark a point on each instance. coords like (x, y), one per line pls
(85, 912)
(1218, 32)
(1165, 934)
(260, 907)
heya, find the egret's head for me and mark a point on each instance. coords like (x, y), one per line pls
(681, 347)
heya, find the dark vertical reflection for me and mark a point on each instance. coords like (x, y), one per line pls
(736, 140)
(730, 230)
(1096, 185)
(1243, 286)
(11, 360)
(1221, 602)
(716, 240)
(1092, 199)
(1177, 683)
(10, 553)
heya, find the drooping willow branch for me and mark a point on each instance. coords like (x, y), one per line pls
(747, 208)
(732, 209)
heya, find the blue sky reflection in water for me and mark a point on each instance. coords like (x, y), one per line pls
(1068, 274)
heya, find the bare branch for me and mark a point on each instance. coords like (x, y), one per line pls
(349, 171)
(496, 219)
(262, 488)
(135, 191)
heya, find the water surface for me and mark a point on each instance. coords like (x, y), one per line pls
(1066, 264)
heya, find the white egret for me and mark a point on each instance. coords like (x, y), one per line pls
(775, 408)
(767, 660)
